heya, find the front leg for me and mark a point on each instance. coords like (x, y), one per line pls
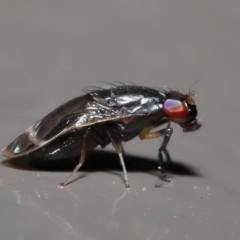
(166, 133)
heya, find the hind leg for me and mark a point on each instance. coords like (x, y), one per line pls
(81, 162)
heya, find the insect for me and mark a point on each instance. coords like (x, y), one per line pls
(106, 115)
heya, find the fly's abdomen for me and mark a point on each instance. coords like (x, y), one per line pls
(66, 146)
(69, 145)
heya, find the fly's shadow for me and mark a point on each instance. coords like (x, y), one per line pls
(99, 160)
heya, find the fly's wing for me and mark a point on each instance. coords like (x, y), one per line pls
(77, 113)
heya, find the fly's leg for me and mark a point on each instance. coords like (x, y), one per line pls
(166, 138)
(168, 158)
(166, 133)
(117, 144)
(81, 162)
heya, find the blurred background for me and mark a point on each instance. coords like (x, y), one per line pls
(51, 50)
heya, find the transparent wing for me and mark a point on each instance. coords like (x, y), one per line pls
(77, 113)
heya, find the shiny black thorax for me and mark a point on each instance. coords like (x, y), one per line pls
(144, 106)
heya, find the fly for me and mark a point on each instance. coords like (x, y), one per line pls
(114, 115)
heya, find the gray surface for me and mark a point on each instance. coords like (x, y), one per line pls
(50, 50)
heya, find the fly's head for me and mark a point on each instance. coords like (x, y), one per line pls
(182, 109)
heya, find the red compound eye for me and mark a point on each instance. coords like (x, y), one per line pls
(175, 109)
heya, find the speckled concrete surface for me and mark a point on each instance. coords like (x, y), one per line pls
(50, 50)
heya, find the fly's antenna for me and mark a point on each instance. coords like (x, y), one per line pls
(192, 93)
